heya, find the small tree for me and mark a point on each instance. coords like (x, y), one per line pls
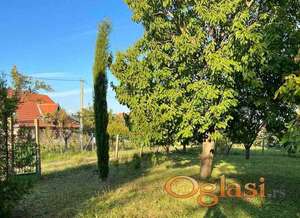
(117, 125)
(88, 120)
(102, 60)
(61, 122)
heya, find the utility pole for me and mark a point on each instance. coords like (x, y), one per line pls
(81, 113)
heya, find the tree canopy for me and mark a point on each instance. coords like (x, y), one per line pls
(204, 66)
(198, 60)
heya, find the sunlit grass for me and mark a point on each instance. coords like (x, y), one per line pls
(71, 187)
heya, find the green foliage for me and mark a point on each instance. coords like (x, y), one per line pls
(24, 150)
(117, 125)
(8, 105)
(88, 120)
(270, 59)
(290, 90)
(180, 80)
(11, 187)
(11, 191)
(205, 67)
(136, 161)
(291, 139)
(102, 61)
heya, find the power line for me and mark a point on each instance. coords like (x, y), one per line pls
(56, 79)
(49, 79)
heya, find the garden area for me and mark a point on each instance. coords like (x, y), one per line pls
(177, 108)
(70, 186)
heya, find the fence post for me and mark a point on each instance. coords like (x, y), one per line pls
(5, 143)
(12, 141)
(38, 150)
(117, 147)
(81, 113)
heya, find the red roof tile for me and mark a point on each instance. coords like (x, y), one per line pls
(27, 111)
(33, 106)
(47, 108)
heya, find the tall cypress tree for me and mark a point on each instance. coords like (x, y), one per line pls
(102, 60)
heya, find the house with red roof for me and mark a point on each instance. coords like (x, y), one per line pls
(37, 106)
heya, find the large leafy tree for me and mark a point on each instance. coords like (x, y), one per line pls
(257, 108)
(102, 60)
(179, 78)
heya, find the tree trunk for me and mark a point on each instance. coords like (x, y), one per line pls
(228, 149)
(184, 148)
(247, 152)
(167, 149)
(141, 151)
(208, 150)
(66, 144)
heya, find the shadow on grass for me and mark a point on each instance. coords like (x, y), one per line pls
(282, 180)
(64, 193)
(69, 192)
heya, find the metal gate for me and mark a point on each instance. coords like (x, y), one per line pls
(19, 151)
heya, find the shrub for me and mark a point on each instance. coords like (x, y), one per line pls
(136, 161)
(11, 191)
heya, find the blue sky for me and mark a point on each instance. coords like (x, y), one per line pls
(56, 38)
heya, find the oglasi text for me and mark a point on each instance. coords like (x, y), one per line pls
(208, 190)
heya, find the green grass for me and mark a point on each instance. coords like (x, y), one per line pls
(70, 186)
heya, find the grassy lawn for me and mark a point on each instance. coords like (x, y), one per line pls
(70, 186)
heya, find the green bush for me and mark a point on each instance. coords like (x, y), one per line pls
(136, 161)
(24, 155)
(11, 191)
(291, 139)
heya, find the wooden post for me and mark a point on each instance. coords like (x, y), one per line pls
(38, 150)
(81, 113)
(5, 130)
(12, 141)
(117, 147)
